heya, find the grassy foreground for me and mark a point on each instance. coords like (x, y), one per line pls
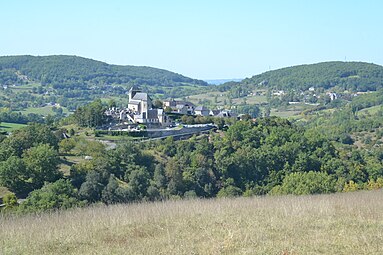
(350, 223)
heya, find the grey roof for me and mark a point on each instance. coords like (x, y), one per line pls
(201, 108)
(152, 114)
(180, 106)
(141, 96)
(186, 103)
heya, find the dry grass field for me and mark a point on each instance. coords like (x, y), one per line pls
(349, 223)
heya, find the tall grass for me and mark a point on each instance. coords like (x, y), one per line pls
(349, 223)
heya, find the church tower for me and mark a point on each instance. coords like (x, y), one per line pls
(133, 91)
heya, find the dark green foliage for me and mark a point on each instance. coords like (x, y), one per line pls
(230, 191)
(352, 76)
(92, 187)
(76, 71)
(252, 157)
(138, 180)
(58, 195)
(14, 175)
(252, 110)
(112, 194)
(29, 158)
(91, 115)
(18, 117)
(41, 163)
(28, 137)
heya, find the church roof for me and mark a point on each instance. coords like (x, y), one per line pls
(141, 96)
(134, 88)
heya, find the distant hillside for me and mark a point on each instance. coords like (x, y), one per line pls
(221, 81)
(354, 76)
(73, 71)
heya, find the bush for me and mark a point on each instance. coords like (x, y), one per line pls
(305, 183)
(58, 195)
(230, 191)
(10, 200)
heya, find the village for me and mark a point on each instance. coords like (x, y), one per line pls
(141, 113)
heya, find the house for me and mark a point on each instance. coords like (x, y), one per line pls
(170, 103)
(226, 114)
(181, 109)
(214, 112)
(202, 111)
(332, 95)
(178, 106)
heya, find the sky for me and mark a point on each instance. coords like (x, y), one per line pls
(203, 39)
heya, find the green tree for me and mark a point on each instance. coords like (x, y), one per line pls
(66, 145)
(110, 194)
(42, 164)
(230, 191)
(28, 137)
(157, 103)
(58, 195)
(139, 182)
(92, 188)
(15, 176)
(91, 115)
(305, 183)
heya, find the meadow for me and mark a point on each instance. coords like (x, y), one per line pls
(345, 223)
(9, 127)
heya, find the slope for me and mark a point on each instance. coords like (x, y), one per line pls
(73, 70)
(353, 76)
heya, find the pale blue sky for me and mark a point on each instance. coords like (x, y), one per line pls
(203, 39)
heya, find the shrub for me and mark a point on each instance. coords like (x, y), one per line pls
(230, 191)
(305, 183)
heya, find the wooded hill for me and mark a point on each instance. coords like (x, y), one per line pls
(352, 76)
(73, 71)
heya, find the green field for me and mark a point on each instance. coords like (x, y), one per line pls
(46, 110)
(217, 98)
(371, 110)
(346, 223)
(284, 114)
(25, 87)
(10, 126)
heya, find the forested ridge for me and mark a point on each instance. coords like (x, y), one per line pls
(62, 70)
(353, 76)
(267, 156)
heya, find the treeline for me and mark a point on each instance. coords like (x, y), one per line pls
(74, 81)
(90, 115)
(264, 157)
(71, 71)
(18, 117)
(351, 76)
